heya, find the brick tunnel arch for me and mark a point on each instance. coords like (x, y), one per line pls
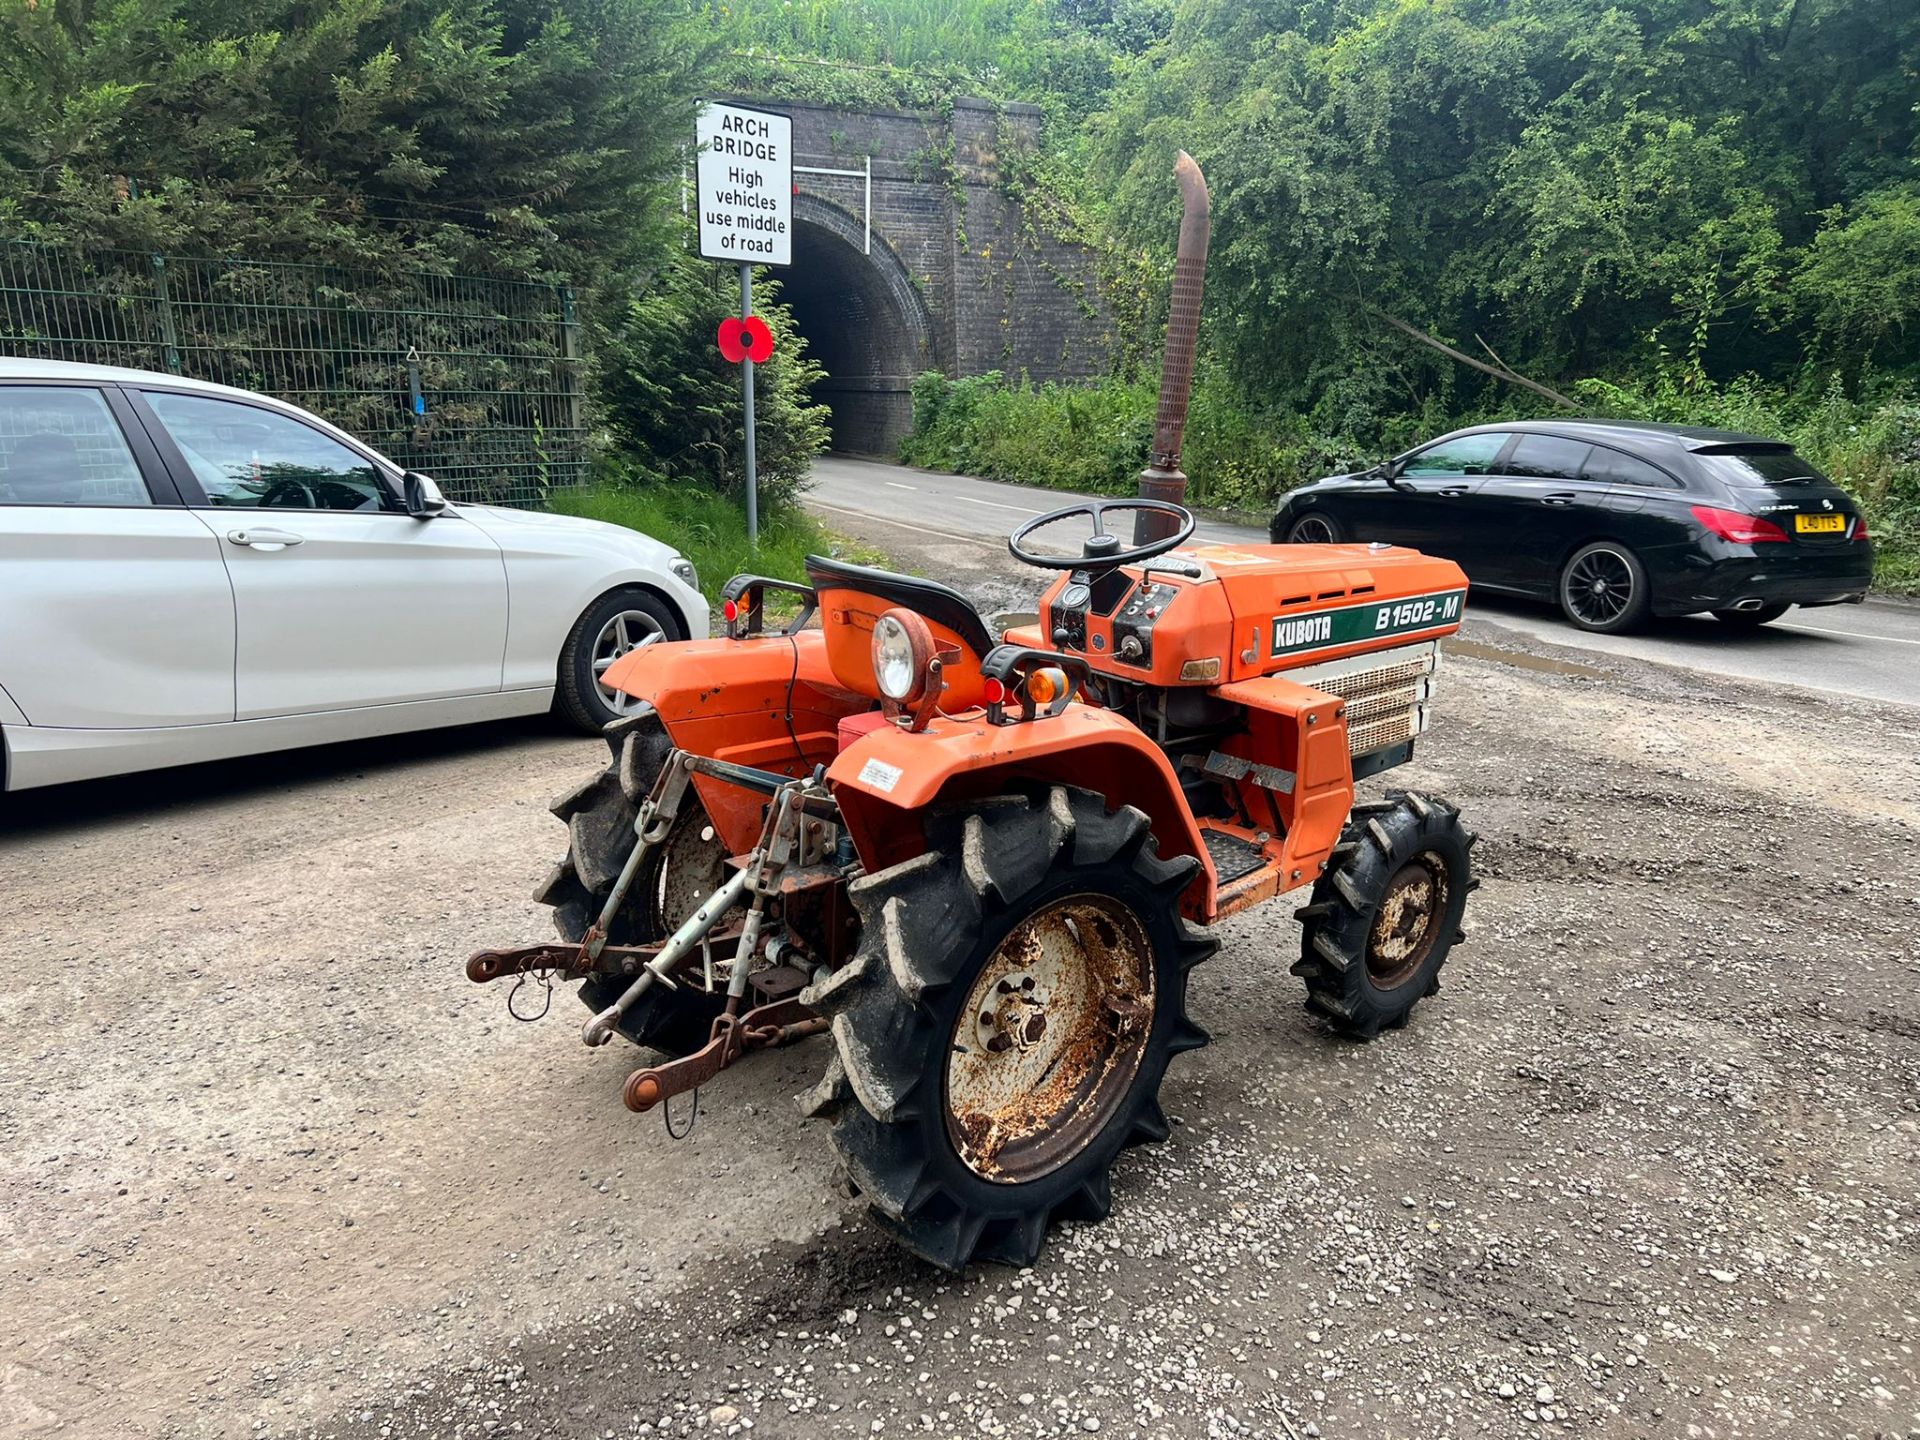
(865, 322)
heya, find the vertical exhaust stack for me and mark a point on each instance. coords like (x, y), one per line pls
(1163, 478)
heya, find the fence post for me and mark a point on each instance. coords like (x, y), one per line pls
(169, 335)
(570, 361)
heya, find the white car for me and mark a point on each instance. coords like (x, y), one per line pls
(190, 572)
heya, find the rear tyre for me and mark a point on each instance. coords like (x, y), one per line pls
(1314, 528)
(1002, 1030)
(1603, 588)
(1750, 619)
(676, 877)
(613, 625)
(1385, 914)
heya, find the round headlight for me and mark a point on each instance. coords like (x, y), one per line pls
(894, 661)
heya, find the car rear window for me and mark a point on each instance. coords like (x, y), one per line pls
(1755, 466)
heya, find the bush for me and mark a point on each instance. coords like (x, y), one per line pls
(708, 528)
(1096, 437)
(672, 405)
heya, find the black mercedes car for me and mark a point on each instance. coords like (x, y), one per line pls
(1614, 520)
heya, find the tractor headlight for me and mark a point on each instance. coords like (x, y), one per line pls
(902, 649)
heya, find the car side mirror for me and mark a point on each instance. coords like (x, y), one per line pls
(1391, 471)
(424, 500)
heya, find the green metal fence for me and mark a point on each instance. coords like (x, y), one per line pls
(492, 364)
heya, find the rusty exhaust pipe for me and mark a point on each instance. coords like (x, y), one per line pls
(1163, 478)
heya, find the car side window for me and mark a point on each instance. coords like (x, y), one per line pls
(250, 458)
(1547, 457)
(1611, 467)
(60, 445)
(1462, 455)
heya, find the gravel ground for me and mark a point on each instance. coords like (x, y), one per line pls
(1648, 1166)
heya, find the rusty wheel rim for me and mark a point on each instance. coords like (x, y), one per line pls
(691, 865)
(1407, 925)
(1052, 1035)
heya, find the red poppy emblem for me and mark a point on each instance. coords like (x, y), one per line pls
(747, 339)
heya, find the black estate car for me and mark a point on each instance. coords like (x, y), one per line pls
(1613, 520)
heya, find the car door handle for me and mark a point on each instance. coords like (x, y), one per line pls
(1452, 492)
(264, 539)
(1559, 497)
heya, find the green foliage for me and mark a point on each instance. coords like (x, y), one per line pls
(709, 529)
(672, 404)
(1095, 437)
(364, 133)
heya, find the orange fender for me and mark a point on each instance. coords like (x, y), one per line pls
(769, 702)
(887, 779)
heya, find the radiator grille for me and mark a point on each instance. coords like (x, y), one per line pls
(1386, 693)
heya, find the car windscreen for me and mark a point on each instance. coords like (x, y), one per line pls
(1757, 465)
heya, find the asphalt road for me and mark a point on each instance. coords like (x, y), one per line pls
(1870, 651)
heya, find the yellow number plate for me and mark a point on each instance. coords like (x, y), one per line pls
(1819, 524)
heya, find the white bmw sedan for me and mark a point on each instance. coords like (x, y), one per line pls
(190, 572)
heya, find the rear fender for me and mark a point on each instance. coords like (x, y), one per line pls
(888, 780)
(770, 702)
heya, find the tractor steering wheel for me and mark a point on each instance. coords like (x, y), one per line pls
(1101, 552)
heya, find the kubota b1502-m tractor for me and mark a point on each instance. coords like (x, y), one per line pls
(985, 866)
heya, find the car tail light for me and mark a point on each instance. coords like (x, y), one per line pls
(1738, 527)
(1859, 527)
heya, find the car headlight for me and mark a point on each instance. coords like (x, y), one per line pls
(902, 649)
(683, 567)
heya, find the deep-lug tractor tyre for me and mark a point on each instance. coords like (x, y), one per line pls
(1386, 913)
(1316, 527)
(1750, 619)
(1003, 1027)
(1603, 588)
(682, 872)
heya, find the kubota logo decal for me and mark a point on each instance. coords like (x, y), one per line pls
(1348, 626)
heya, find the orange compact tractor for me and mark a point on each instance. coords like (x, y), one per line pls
(984, 866)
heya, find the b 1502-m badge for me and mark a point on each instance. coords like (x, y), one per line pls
(1295, 633)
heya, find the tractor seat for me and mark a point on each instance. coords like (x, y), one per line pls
(940, 604)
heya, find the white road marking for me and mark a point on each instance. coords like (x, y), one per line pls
(924, 530)
(898, 486)
(973, 500)
(1850, 634)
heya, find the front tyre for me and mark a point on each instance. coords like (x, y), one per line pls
(1004, 1026)
(1385, 914)
(614, 625)
(1603, 588)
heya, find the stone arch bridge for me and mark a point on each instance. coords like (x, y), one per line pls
(952, 278)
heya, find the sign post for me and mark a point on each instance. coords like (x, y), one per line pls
(745, 193)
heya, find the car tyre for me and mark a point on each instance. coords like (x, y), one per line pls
(619, 621)
(1750, 619)
(1603, 589)
(1316, 527)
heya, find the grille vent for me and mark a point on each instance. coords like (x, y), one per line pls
(1386, 693)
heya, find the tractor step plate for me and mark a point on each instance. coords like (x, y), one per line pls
(1232, 856)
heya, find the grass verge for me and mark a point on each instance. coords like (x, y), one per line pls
(711, 530)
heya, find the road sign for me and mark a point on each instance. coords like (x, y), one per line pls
(744, 185)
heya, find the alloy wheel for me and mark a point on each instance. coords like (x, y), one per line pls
(625, 632)
(1599, 587)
